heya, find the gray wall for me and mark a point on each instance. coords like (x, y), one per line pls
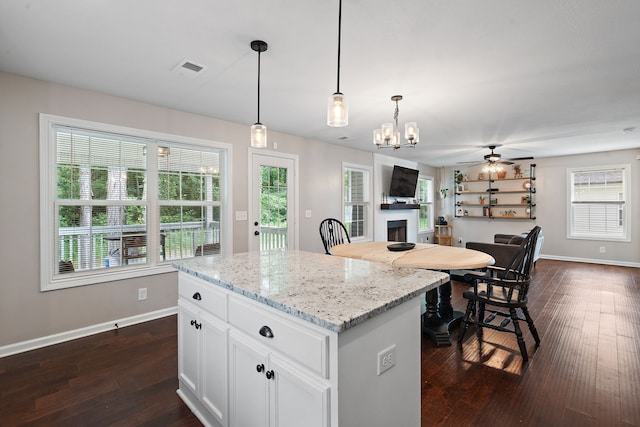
(551, 213)
(25, 312)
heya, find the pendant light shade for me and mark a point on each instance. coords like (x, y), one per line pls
(258, 135)
(337, 109)
(258, 130)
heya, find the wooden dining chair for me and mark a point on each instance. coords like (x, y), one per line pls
(504, 290)
(333, 232)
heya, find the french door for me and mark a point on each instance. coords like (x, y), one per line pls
(272, 221)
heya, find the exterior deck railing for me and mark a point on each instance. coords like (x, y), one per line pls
(95, 247)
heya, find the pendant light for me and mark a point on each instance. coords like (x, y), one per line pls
(258, 130)
(337, 109)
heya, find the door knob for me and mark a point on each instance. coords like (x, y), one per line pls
(256, 232)
(256, 223)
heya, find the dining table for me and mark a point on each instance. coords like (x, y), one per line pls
(439, 316)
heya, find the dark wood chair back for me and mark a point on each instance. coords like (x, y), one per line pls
(333, 232)
(505, 290)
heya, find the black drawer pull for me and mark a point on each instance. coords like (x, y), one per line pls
(266, 332)
(197, 296)
(260, 368)
(196, 324)
(271, 375)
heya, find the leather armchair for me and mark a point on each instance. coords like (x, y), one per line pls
(504, 246)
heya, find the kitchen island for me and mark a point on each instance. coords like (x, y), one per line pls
(291, 338)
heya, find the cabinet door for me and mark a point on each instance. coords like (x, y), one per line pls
(188, 349)
(213, 366)
(297, 398)
(248, 385)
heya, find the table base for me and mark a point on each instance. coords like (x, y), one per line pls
(439, 332)
(440, 316)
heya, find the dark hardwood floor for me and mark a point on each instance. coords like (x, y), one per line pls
(586, 371)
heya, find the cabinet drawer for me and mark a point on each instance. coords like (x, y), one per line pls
(211, 299)
(304, 345)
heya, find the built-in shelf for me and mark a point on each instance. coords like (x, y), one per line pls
(398, 206)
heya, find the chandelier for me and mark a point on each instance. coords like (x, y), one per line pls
(388, 136)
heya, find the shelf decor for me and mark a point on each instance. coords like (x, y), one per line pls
(480, 197)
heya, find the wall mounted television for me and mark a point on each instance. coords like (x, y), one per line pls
(403, 182)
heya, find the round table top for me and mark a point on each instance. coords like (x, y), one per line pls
(424, 255)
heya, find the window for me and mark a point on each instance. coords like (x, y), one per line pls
(598, 202)
(119, 202)
(356, 201)
(425, 199)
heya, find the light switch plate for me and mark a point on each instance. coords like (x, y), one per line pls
(241, 215)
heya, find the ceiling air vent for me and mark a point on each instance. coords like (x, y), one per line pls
(189, 69)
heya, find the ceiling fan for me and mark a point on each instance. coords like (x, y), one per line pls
(493, 158)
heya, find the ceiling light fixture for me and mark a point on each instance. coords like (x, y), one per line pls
(389, 135)
(337, 109)
(258, 130)
(492, 168)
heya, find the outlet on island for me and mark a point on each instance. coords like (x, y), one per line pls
(386, 359)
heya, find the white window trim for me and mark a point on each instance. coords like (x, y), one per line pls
(369, 225)
(627, 198)
(48, 280)
(431, 228)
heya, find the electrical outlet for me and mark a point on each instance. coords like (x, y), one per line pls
(142, 294)
(386, 359)
(603, 249)
(460, 240)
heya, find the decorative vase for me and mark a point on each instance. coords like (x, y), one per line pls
(501, 174)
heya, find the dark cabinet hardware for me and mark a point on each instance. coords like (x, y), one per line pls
(260, 368)
(266, 332)
(196, 324)
(257, 233)
(271, 375)
(256, 223)
(197, 296)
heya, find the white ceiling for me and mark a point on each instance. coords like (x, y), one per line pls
(541, 78)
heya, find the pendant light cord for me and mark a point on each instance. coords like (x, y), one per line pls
(258, 86)
(339, 39)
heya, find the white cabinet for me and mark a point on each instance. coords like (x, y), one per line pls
(233, 373)
(296, 398)
(202, 353)
(268, 390)
(243, 363)
(248, 385)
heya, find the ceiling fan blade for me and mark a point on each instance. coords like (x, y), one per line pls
(469, 163)
(521, 158)
(505, 162)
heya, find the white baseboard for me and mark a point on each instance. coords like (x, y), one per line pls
(33, 344)
(592, 261)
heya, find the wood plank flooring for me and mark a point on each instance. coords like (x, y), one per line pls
(585, 373)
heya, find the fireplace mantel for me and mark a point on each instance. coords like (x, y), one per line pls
(398, 206)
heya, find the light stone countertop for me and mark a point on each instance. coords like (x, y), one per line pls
(333, 292)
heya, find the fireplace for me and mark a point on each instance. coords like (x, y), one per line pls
(397, 230)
